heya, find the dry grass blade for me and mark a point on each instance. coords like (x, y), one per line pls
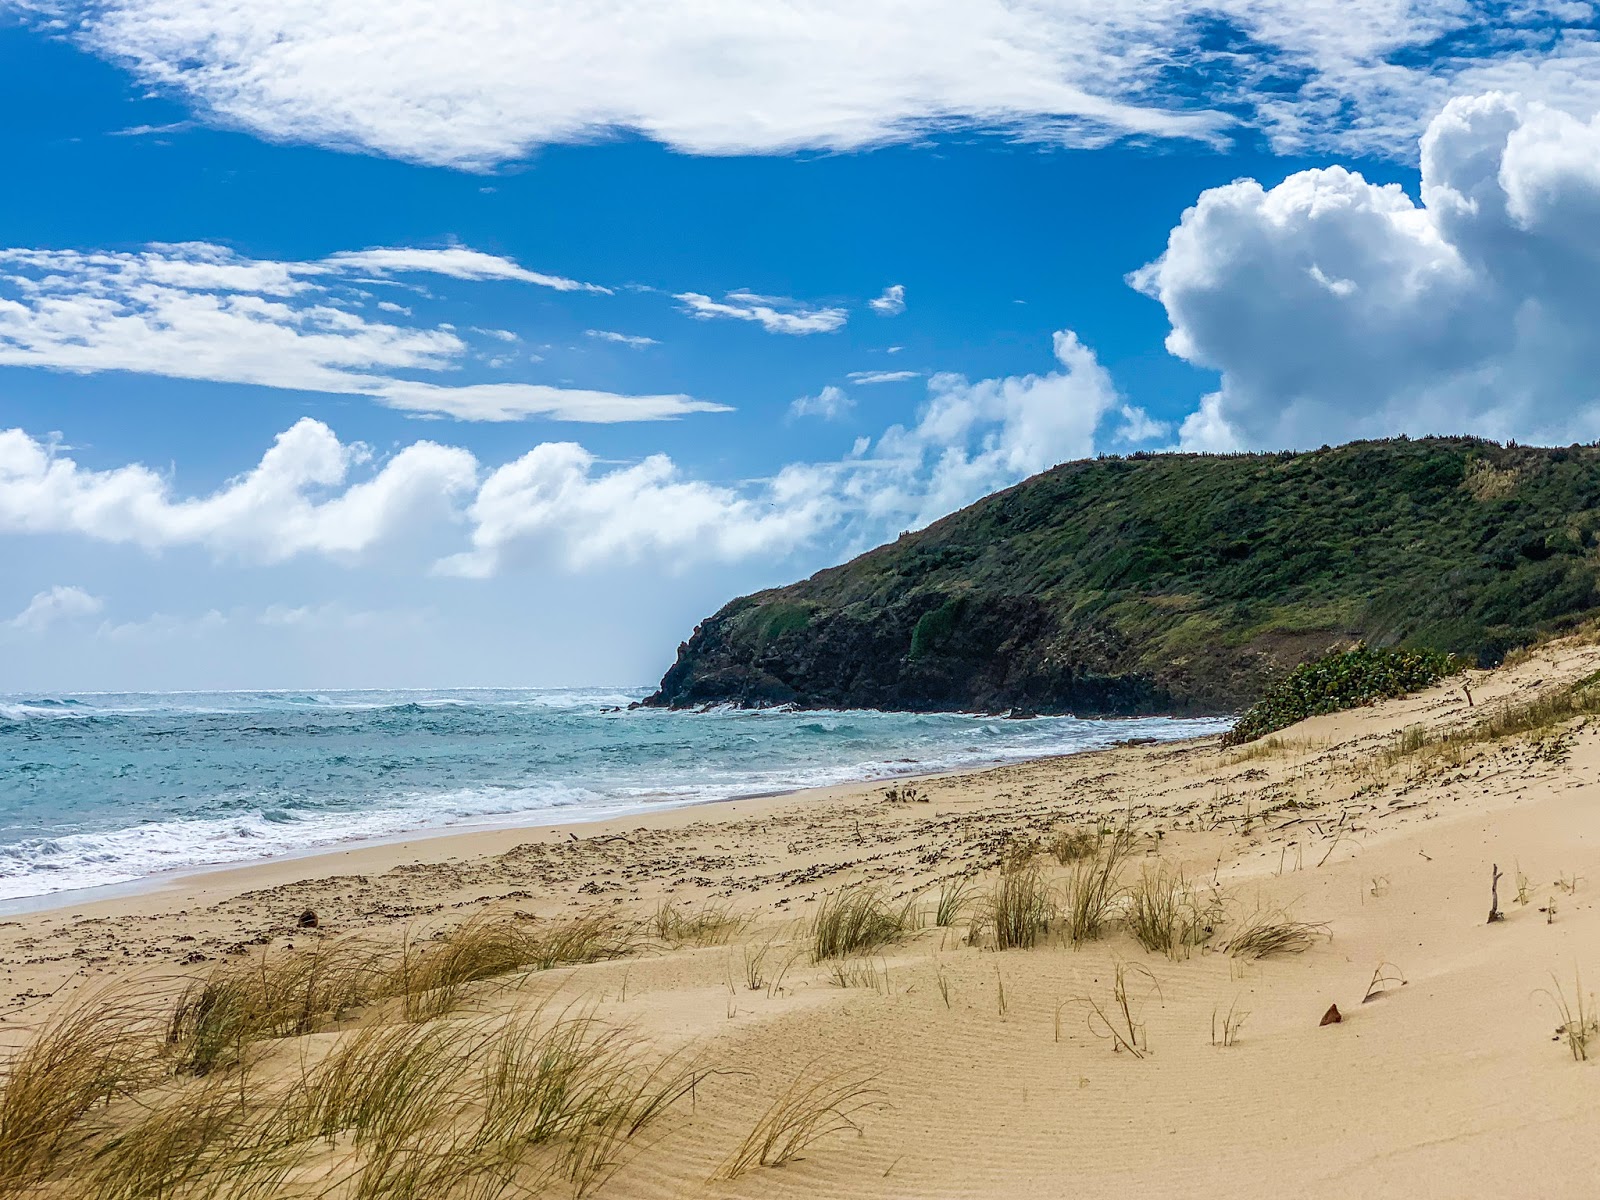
(954, 897)
(1095, 884)
(430, 977)
(860, 973)
(100, 1046)
(1165, 914)
(1020, 908)
(1580, 1021)
(857, 919)
(277, 995)
(808, 1110)
(1267, 933)
(1118, 1021)
(709, 925)
(384, 1082)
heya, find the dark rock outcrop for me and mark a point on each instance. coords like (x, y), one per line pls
(1172, 583)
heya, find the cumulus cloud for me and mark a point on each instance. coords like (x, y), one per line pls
(297, 500)
(485, 81)
(54, 606)
(892, 303)
(1337, 308)
(775, 314)
(311, 494)
(199, 311)
(830, 404)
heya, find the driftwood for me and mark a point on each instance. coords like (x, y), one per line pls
(1494, 897)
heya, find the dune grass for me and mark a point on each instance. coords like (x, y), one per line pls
(1068, 844)
(1537, 719)
(710, 924)
(1093, 887)
(470, 1109)
(429, 977)
(1167, 915)
(813, 1107)
(955, 897)
(277, 995)
(100, 1046)
(1118, 1021)
(857, 919)
(1270, 932)
(1019, 908)
(1580, 1020)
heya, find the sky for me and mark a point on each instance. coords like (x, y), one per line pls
(386, 343)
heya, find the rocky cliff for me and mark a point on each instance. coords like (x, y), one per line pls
(1173, 583)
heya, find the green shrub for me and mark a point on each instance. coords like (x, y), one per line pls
(1345, 679)
(934, 628)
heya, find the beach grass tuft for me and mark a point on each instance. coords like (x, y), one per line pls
(1270, 932)
(711, 924)
(813, 1107)
(1166, 915)
(1019, 908)
(955, 896)
(1094, 886)
(1580, 1020)
(102, 1045)
(857, 919)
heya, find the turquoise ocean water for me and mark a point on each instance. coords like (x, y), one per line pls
(110, 788)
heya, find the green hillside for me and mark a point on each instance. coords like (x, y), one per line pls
(1174, 582)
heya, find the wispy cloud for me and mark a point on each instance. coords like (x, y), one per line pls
(199, 311)
(502, 77)
(830, 404)
(882, 376)
(892, 303)
(775, 314)
(637, 341)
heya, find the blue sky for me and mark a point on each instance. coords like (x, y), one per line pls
(358, 344)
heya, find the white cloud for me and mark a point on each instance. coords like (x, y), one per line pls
(517, 401)
(970, 438)
(830, 404)
(636, 341)
(1336, 308)
(458, 262)
(882, 376)
(198, 311)
(775, 314)
(57, 605)
(892, 303)
(485, 81)
(297, 500)
(1139, 426)
(312, 495)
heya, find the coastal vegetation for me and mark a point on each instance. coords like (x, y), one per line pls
(1341, 680)
(1176, 583)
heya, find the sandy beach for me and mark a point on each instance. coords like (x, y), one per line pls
(965, 1070)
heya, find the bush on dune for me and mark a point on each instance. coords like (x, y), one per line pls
(1342, 680)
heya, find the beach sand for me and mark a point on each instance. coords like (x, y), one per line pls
(990, 1073)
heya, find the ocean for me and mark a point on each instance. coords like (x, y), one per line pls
(103, 788)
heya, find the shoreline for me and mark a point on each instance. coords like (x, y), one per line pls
(599, 815)
(1344, 863)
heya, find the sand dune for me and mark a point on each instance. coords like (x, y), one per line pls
(972, 1071)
